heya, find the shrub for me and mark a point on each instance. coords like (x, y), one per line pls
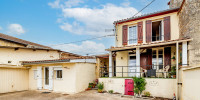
(100, 86)
(110, 91)
(147, 94)
(139, 85)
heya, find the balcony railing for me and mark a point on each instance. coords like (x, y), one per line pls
(148, 71)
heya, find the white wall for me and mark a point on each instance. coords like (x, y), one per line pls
(85, 74)
(161, 87)
(115, 84)
(191, 84)
(157, 87)
(25, 55)
(12, 80)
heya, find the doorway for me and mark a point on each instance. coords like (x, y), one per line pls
(132, 66)
(46, 78)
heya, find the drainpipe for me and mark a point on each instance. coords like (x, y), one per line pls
(177, 75)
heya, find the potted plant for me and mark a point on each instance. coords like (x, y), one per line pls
(173, 58)
(139, 85)
(100, 87)
(173, 72)
(110, 91)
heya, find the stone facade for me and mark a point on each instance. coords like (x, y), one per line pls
(189, 24)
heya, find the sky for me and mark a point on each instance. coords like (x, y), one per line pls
(59, 23)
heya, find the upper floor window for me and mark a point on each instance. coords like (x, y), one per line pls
(132, 35)
(157, 31)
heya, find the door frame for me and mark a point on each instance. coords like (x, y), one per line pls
(45, 86)
(133, 67)
(157, 56)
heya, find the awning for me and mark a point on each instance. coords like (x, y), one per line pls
(149, 45)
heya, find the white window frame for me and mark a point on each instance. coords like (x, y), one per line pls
(157, 57)
(56, 74)
(162, 30)
(136, 34)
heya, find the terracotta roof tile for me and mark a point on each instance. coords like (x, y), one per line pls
(20, 41)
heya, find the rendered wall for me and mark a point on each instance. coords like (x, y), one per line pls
(157, 87)
(25, 55)
(174, 27)
(76, 77)
(122, 60)
(161, 87)
(85, 74)
(12, 80)
(115, 84)
(191, 84)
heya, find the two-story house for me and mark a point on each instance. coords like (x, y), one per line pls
(148, 46)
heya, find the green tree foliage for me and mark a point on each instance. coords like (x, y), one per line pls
(139, 85)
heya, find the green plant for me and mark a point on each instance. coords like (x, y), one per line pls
(173, 70)
(100, 87)
(90, 86)
(139, 85)
(147, 94)
(110, 91)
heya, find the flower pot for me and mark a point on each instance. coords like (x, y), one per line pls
(174, 76)
(100, 91)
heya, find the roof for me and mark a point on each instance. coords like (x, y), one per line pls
(148, 45)
(20, 41)
(104, 56)
(16, 48)
(147, 15)
(72, 60)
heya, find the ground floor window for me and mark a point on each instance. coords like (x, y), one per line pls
(59, 74)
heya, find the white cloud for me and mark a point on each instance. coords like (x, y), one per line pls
(15, 29)
(62, 3)
(86, 47)
(1, 28)
(94, 21)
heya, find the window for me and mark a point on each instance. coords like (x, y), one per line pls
(132, 35)
(157, 32)
(157, 58)
(59, 74)
(35, 74)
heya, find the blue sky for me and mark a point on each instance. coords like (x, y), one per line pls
(51, 22)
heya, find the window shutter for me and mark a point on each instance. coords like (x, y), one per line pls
(149, 58)
(148, 31)
(167, 35)
(167, 56)
(140, 32)
(143, 60)
(125, 33)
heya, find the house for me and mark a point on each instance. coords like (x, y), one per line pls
(149, 46)
(25, 65)
(102, 65)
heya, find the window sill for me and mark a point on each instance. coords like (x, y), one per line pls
(58, 78)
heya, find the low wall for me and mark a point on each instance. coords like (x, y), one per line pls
(161, 87)
(12, 80)
(191, 84)
(157, 87)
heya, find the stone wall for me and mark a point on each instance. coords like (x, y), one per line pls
(189, 24)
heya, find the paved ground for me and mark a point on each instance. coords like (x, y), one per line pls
(87, 95)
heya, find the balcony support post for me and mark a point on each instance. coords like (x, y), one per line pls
(137, 62)
(110, 65)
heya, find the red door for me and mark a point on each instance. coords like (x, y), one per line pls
(129, 86)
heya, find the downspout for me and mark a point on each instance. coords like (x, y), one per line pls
(177, 74)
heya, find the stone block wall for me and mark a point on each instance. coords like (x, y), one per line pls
(189, 25)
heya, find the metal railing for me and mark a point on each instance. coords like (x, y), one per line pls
(148, 71)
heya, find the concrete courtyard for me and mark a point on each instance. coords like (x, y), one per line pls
(87, 95)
